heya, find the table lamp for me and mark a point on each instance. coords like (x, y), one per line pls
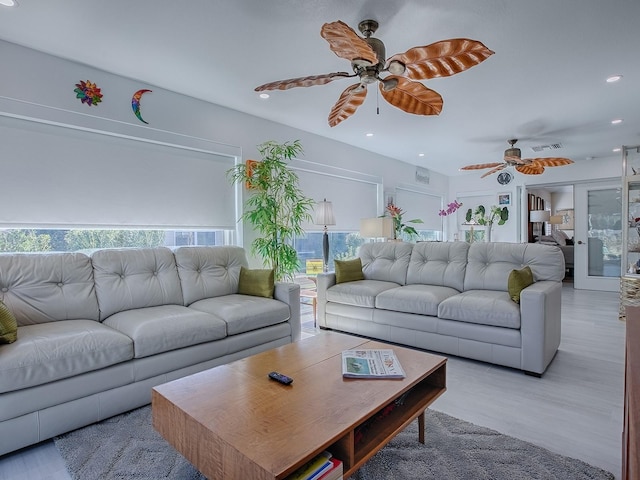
(324, 216)
(539, 216)
(377, 227)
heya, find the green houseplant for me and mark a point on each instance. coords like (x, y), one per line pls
(276, 206)
(481, 217)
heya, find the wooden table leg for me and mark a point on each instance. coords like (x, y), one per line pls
(421, 428)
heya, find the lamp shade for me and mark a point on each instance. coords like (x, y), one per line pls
(555, 219)
(378, 227)
(324, 213)
(539, 215)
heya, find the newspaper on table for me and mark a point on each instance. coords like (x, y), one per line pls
(371, 364)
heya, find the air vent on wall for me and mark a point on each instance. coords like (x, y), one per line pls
(551, 146)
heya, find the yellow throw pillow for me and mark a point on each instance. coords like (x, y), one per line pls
(8, 325)
(348, 270)
(257, 282)
(518, 281)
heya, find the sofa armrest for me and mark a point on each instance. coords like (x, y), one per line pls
(324, 281)
(289, 293)
(540, 315)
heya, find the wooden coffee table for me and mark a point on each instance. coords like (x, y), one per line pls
(233, 422)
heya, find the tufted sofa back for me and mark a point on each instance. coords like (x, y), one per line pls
(45, 287)
(386, 261)
(135, 278)
(489, 264)
(438, 263)
(207, 272)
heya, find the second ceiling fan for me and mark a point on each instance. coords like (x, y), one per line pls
(400, 88)
(513, 158)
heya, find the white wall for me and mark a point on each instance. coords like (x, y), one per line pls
(41, 79)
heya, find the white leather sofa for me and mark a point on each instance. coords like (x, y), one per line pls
(452, 298)
(97, 333)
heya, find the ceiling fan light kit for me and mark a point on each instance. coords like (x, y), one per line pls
(401, 88)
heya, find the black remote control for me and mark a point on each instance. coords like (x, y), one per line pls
(278, 377)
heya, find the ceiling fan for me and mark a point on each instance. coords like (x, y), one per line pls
(399, 88)
(513, 158)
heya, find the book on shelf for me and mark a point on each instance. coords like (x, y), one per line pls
(371, 364)
(314, 468)
(335, 472)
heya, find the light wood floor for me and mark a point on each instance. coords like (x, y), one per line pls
(575, 409)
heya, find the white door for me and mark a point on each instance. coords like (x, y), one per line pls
(597, 236)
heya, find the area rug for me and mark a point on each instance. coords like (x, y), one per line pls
(127, 447)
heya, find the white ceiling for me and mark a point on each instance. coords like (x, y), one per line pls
(545, 83)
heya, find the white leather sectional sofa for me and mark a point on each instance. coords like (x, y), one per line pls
(97, 333)
(452, 298)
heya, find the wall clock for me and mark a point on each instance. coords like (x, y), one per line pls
(504, 178)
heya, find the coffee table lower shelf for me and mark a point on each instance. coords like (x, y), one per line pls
(381, 428)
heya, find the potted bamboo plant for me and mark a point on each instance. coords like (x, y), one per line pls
(276, 206)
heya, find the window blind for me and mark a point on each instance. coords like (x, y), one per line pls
(420, 205)
(352, 198)
(58, 177)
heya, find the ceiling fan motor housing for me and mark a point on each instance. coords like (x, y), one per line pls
(512, 152)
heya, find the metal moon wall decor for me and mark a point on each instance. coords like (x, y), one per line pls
(135, 104)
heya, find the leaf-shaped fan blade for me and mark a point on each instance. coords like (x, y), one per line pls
(347, 104)
(480, 166)
(497, 169)
(531, 169)
(346, 43)
(412, 97)
(550, 162)
(302, 81)
(442, 59)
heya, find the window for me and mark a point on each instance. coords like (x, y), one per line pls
(72, 240)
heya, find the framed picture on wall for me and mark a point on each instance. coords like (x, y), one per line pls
(567, 219)
(504, 199)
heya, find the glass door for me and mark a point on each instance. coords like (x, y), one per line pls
(598, 236)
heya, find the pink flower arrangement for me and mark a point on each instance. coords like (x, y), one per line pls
(451, 208)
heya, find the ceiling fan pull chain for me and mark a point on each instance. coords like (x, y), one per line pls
(377, 102)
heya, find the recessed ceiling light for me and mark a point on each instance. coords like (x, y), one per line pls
(613, 78)
(616, 121)
(264, 96)
(421, 154)
(369, 134)
(9, 3)
(617, 149)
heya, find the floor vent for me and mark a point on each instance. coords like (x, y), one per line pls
(551, 146)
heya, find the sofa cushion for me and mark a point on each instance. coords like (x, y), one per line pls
(385, 261)
(438, 263)
(166, 327)
(207, 272)
(348, 270)
(485, 307)
(518, 281)
(51, 351)
(8, 325)
(420, 299)
(46, 287)
(243, 313)
(490, 264)
(256, 282)
(361, 293)
(135, 278)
